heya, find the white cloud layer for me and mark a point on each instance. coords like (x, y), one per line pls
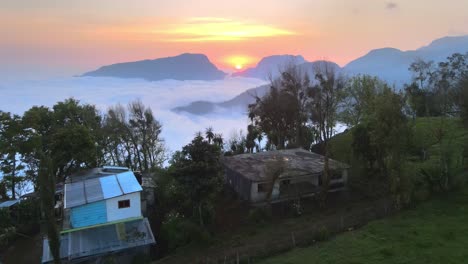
(161, 96)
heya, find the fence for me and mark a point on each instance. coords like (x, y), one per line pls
(318, 231)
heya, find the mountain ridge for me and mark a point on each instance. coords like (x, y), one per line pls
(186, 66)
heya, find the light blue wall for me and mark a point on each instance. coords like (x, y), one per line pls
(89, 214)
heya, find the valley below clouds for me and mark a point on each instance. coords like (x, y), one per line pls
(178, 129)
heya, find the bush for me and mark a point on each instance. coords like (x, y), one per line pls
(259, 215)
(5, 219)
(322, 234)
(178, 231)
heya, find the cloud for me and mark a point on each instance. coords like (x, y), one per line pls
(202, 29)
(391, 5)
(161, 96)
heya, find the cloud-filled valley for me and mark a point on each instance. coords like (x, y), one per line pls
(161, 96)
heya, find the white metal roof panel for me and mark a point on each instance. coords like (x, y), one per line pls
(93, 190)
(9, 203)
(97, 189)
(128, 182)
(110, 187)
(74, 194)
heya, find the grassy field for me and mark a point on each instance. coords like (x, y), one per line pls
(434, 232)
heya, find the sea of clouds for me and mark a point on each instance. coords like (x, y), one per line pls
(17, 96)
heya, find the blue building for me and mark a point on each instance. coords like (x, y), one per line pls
(101, 216)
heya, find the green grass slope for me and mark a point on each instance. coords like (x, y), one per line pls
(434, 232)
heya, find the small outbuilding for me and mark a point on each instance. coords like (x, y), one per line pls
(300, 174)
(102, 215)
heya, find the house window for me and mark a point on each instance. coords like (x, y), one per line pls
(261, 187)
(285, 182)
(124, 204)
(337, 175)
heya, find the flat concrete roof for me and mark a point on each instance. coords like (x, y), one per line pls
(298, 162)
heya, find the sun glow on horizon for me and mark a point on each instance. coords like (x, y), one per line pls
(238, 62)
(203, 29)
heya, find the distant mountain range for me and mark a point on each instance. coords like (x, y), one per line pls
(183, 67)
(388, 64)
(270, 66)
(392, 65)
(241, 101)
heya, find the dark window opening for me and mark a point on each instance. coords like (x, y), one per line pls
(337, 175)
(261, 187)
(124, 204)
(285, 182)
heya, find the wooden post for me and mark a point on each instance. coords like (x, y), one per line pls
(237, 257)
(293, 239)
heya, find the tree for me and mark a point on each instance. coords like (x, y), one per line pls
(282, 114)
(133, 138)
(422, 72)
(75, 136)
(47, 197)
(462, 99)
(218, 140)
(360, 93)
(11, 142)
(209, 134)
(37, 123)
(325, 99)
(198, 173)
(381, 140)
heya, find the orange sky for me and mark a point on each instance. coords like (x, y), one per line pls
(70, 37)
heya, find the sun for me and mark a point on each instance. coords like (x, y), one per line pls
(238, 62)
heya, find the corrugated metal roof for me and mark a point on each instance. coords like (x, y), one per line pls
(110, 187)
(93, 190)
(97, 189)
(74, 194)
(9, 203)
(102, 240)
(128, 182)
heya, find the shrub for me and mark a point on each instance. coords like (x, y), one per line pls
(178, 231)
(259, 215)
(322, 234)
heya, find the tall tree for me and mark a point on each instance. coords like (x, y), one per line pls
(282, 114)
(381, 140)
(209, 134)
(11, 143)
(326, 96)
(47, 198)
(360, 93)
(198, 172)
(133, 138)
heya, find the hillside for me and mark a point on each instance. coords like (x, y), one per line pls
(183, 67)
(434, 232)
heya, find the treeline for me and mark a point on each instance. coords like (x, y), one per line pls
(74, 136)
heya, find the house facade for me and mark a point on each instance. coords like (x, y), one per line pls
(253, 175)
(102, 215)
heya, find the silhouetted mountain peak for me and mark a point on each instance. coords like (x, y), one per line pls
(187, 66)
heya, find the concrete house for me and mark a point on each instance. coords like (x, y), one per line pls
(250, 177)
(102, 215)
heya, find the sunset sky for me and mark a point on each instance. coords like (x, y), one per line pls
(54, 37)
